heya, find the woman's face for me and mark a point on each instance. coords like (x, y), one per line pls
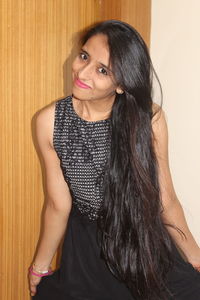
(91, 70)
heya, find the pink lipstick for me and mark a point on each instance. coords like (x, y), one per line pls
(81, 84)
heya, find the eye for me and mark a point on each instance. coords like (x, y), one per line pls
(103, 71)
(83, 56)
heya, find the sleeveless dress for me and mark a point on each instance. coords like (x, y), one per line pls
(82, 147)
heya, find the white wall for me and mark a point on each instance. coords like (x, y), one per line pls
(175, 51)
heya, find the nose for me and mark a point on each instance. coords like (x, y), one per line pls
(86, 72)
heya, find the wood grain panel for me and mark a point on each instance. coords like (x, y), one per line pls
(35, 41)
(135, 12)
(36, 38)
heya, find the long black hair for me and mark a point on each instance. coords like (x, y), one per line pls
(134, 241)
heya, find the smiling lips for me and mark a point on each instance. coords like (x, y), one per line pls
(81, 84)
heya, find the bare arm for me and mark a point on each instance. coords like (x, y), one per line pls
(58, 198)
(173, 212)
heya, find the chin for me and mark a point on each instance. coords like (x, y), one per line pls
(79, 96)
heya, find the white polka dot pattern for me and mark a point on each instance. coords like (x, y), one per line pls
(82, 147)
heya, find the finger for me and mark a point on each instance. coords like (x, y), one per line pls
(33, 290)
(35, 280)
(197, 268)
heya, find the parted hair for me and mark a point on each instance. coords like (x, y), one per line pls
(135, 243)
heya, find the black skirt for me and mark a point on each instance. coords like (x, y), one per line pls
(83, 275)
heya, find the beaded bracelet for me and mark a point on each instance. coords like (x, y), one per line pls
(45, 273)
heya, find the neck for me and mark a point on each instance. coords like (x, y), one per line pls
(93, 110)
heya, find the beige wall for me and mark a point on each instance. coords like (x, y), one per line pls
(175, 51)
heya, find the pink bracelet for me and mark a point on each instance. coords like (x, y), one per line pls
(40, 275)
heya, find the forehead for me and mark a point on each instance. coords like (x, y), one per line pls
(97, 47)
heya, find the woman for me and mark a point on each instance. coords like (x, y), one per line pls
(109, 184)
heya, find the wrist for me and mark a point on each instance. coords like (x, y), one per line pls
(194, 255)
(39, 273)
(40, 266)
(39, 270)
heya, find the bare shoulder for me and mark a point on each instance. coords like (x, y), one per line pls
(160, 133)
(45, 124)
(159, 124)
(57, 191)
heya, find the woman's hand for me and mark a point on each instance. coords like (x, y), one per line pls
(194, 260)
(33, 282)
(196, 265)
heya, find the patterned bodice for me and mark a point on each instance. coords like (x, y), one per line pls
(82, 147)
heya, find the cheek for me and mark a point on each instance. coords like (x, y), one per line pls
(75, 69)
(75, 65)
(107, 83)
(107, 86)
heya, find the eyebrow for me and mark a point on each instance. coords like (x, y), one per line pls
(84, 51)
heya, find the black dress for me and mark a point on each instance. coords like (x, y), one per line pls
(82, 148)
